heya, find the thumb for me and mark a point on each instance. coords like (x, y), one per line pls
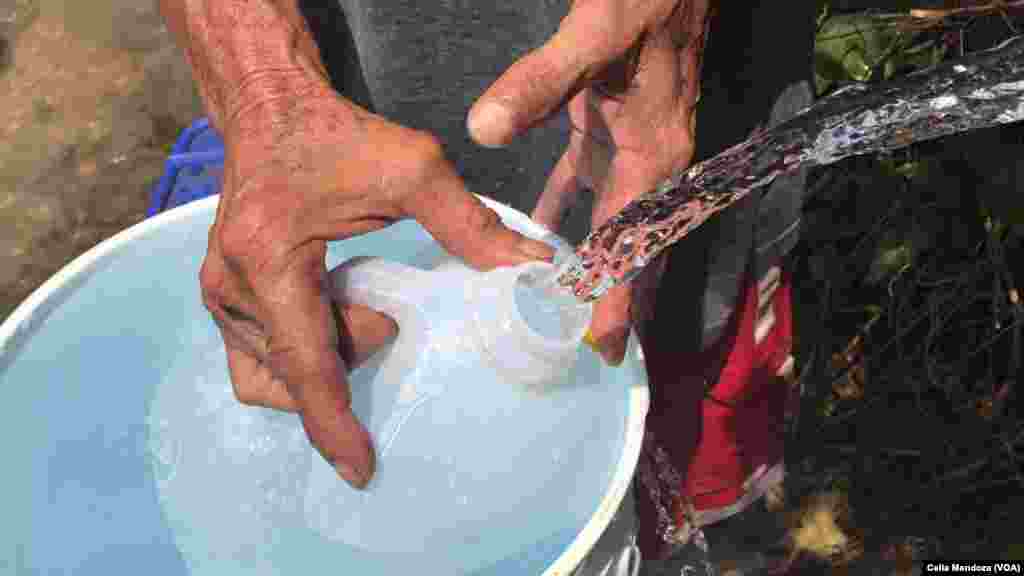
(628, 178)
(544, 80)
(559, 193)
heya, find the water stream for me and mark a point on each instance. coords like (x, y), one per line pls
(980, 90)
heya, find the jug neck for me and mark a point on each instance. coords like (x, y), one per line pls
(528, 331)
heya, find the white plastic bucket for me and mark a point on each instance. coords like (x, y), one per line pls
(83, 359)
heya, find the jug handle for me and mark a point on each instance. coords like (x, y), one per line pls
(399, 291)
(383, 285)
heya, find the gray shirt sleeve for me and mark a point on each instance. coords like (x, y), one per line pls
(423, 64)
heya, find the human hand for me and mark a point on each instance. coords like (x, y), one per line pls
(300, 171)
(629, 72)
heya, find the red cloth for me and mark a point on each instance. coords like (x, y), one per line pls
(702, 445)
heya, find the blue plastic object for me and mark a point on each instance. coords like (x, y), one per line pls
(190, 172)
(126, 452)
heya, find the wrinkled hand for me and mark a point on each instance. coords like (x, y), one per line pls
(297, 174)
(628, 70)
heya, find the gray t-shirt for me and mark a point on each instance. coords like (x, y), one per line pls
(423, 64)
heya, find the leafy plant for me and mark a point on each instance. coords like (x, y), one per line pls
(865, 47)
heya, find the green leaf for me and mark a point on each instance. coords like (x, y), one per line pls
(841, 484)
(902, 167)
(912, 57)
(850, 47)
(827, 408)
(856, 66)
(874, 312)
(894, 253)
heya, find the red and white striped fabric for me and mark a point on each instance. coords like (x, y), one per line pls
(710, 451)
(708, 454)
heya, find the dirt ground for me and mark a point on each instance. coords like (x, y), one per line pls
(94, 93)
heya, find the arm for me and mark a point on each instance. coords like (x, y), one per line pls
(245, 53)
(302, 166)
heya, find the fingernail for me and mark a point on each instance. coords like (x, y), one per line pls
(489, 124)
(610, 352)
(613, 348)
(350, 475)
(536, 250)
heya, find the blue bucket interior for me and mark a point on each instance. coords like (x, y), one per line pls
(125, 452)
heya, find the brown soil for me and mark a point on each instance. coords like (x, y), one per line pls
(94, 93)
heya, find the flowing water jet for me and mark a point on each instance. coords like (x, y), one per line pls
(981, 90)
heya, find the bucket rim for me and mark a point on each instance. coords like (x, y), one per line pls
(25, 320)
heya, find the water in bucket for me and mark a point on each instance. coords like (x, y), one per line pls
(129, 454)
(446, 404)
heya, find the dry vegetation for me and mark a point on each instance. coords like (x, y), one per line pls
(909, 321)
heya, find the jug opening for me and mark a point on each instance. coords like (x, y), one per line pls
(552, 314)
(550, 321)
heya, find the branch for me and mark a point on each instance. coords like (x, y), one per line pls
(943, 13)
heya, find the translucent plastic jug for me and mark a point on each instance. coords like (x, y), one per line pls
(126, 452)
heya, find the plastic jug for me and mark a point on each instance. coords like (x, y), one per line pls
(127, 453)
(463, 333)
